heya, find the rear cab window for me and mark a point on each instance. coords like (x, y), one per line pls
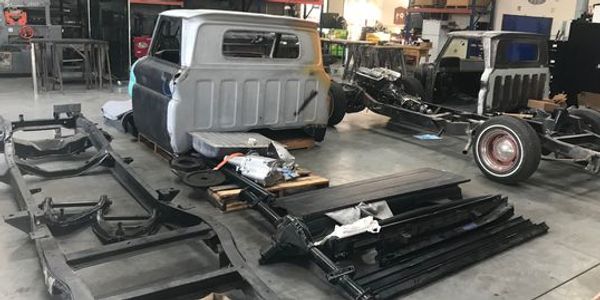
(465, 49)
(260, 45)
(463, 55)
(166, 43)
(520, 53)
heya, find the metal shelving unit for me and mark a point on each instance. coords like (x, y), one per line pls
(158, 2)
(439, 10)
(473, 10)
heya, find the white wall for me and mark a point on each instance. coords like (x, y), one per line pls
(561, 11)
(359, 12)
(362, 12)
(387, 13)
(335, 6)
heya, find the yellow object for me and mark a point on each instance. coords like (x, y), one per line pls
(463, 3)
(372, 37)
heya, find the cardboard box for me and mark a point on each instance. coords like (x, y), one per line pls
(560, 99)
(589, 100)
(428, 3)
(463, 3)
(544, 105)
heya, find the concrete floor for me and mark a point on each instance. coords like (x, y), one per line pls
(564, 264)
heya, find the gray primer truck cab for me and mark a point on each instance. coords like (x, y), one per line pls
(220, 71)
(488, 71)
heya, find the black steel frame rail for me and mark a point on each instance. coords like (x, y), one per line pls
(399, 232)
(260, 199)
(429, 266)
(59, 267)
(462, 232)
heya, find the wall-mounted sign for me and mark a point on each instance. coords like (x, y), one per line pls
(313, 2)
(399, 15)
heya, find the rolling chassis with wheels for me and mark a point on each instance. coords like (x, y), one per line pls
(132, 239)
(508, 148)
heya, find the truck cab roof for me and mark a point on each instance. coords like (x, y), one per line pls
(237, 17)
(478, 34)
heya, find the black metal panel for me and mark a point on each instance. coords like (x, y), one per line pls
(109, 23)
(211, 240)
(424, 267)
(151, 97)
(533, 91)
(508, 93)
(441, 230)
(558, 64)
(525, 89)
(512, 92)
(584, 57)
(376, 189)
(517, 92)
(498, 91)
(541, 86)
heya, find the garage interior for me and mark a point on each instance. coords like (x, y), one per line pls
(412, 107)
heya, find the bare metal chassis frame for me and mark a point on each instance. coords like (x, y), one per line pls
(59, 267)
(566, 146)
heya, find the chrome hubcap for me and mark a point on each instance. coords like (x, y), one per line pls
(504, 150)
(499, 151)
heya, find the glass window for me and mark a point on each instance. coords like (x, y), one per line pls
(167, 40)
(512, 51)
(259, 44)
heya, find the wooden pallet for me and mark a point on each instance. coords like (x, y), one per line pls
(465, 7)
(225, 197)
(297, 143)
(428, 6)
(467, 3)
(293, 139)
(158, 150)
